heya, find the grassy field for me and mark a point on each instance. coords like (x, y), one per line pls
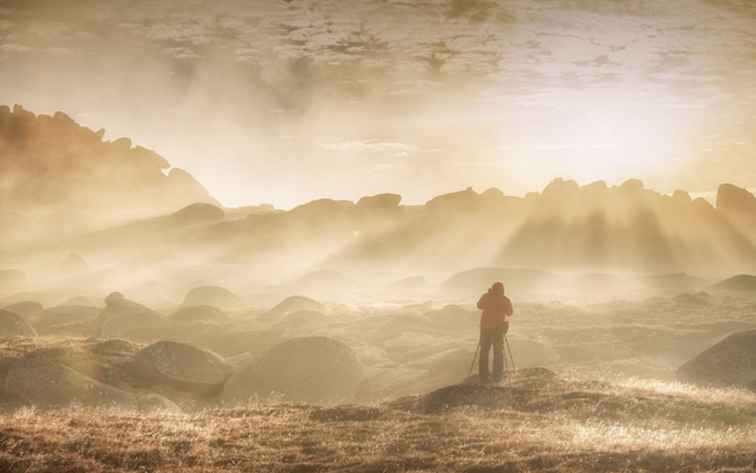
(529, 426)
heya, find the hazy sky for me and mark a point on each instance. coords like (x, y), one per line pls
(286, 101)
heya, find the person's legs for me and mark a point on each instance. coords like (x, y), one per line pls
(485, 347)
(498, 357)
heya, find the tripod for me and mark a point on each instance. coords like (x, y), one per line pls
(511, 368)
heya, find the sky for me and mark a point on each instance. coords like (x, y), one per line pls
(284, 102)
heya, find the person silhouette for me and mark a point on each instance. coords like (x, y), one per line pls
(494, 325)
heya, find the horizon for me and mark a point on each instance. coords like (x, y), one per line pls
(710, 196)
(287, 102)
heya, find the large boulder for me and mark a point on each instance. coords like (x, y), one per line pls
(731, 362)
(29, 310)
(182, 366)
(213, 296)
(296, 304)
(122, 317)
(199, 313)
(303, 320)
(67, 320)
(309, 369)
(744, 284)
(13, 325)
(46, 384)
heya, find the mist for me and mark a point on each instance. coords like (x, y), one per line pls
(263, 104)
(377, 235)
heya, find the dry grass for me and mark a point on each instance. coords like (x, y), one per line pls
(280, 437)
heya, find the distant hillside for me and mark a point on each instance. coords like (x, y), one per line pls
(58, 176)
(594, 228)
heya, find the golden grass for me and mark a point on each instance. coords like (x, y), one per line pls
(281, 437)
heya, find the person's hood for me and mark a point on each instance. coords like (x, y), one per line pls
(498, 289)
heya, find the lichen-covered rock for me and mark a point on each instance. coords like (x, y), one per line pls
(181, 366)
(13, 325)
(309, 369)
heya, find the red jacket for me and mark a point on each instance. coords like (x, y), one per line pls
(497, 309)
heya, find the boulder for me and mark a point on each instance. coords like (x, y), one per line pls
(181, 366)
(302, 319)
(13, 325)
(46, 384)
(64, 315)
(196, 213)
(199, 313)
(309, 369)
(741, 284)
(122, 316)
(517, 394)
(29, 310)
(731, 362)
(296, 304)
(213, 296)
(116, 348)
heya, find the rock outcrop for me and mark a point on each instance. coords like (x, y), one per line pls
(80, 178)
(739, 206)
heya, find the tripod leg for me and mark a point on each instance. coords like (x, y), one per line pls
(475, 358)
(509, 352)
